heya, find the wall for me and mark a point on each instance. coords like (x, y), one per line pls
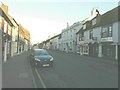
(119, 32)
(0, 45)
(86, 37)
(1, 59)
(97, 33)
(115, 32)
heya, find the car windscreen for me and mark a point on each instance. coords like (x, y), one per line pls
(40, 52)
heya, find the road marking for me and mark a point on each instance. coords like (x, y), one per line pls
(43, 84)
(33, 78)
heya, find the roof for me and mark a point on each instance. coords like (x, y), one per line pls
(110, 16)
(104, 19)
(55, 36)
(80, 30)
(6, 16)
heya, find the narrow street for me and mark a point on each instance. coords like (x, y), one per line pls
(59, 45)
(74, 71)
(70, 70)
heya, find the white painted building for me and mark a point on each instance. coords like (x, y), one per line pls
(14, 43)
(54, 45)
(82, 36)
(59, 43)
(100, 36)
(68, 37)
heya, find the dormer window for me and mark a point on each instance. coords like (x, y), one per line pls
(84, 26)
(94, 21)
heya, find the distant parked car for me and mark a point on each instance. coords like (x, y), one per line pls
(40, 57)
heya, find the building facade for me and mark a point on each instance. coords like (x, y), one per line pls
(14, 36)
(54, 45)
(14, 43)
(99, 36)
(68, 37)
(6, 27)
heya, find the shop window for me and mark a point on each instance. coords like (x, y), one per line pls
(86, 49)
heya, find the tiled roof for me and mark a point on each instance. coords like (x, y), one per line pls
(80, 30)
(110, 16)
(104, 19)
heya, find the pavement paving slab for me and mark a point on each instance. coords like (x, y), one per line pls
(16, 72)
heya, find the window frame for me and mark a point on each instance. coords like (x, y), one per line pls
(106, 31)
(91, 34)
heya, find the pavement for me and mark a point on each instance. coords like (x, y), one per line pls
(16, 72)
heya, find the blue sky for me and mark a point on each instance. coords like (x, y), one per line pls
(48, 18)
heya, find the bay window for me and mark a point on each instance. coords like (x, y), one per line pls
(106, 32)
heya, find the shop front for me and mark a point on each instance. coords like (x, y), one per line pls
(93, 49)
(108, 50)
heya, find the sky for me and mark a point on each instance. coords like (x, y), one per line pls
(43, 18)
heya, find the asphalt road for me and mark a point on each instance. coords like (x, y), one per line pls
(74, 71)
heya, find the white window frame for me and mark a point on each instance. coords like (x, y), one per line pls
(0, 22)
(5, 26)
(86, 49)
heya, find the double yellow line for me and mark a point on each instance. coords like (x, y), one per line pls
(38, 75)
(41, 80)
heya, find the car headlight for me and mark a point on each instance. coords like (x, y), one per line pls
(37, 59)
(51, 59)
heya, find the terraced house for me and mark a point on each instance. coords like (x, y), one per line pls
(14, 38)
(24, 39)
(6, 27)
(99, 36)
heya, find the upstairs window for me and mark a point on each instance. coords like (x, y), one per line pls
(5, 26)
(9, 29)
(91, 34)
(106, 32)
(84, 26)
(81, 36)
(94, 21)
